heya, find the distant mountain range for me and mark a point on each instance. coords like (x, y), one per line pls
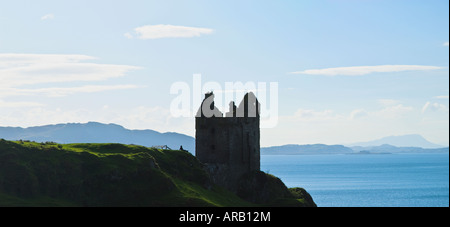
(399, 141)
(386, 145)
(312, 149)
(94, 132)
(294, 149)
(386, 149)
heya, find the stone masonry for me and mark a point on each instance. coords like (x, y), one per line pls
(228, 146)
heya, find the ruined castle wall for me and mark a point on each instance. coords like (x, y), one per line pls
(229, 147)
(251, 137)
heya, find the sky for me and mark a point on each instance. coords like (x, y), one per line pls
(347, 70)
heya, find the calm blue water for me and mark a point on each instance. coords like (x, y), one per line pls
(392, 180)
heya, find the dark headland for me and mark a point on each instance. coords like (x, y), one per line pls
(99, 175)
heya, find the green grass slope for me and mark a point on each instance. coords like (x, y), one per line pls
(50, 174)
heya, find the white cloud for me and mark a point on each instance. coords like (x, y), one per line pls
(359, 113)
(64, 91)
(43, 115)
(364, 70)
(168, 31)
(391, 110)
(313, 115)
(442, 97)
(11, 59)
(387, 102)
(434, 107)
(26, 69)
(128, 35)
(446, 44)
(49, 16)
(395, 111)
(18, 104)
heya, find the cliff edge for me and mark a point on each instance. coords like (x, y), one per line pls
(51, 174)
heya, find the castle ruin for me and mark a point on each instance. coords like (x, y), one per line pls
(228, 146)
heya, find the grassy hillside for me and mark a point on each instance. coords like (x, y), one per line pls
(50, 174)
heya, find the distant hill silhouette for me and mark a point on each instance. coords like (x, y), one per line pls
(94, 132)
(294, 149)
(386, 148)
(400, 141)
(319, 149)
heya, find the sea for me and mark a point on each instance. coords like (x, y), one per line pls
(366, 180)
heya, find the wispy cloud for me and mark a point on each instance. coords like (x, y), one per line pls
(364, 70)
(434, 107)
(19, 104)
(446, 44)
(391, 109)
(17, 70)
(64, 91)
(313, 115)
(388, 102)
(49, 16)
(25, 69)
(168, 31)
(442, 97)
(394, 111)
(128, 35)
(359, 113)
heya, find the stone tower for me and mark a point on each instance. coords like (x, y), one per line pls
(228, 146)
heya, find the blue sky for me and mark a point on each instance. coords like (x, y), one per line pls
(347, 70)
